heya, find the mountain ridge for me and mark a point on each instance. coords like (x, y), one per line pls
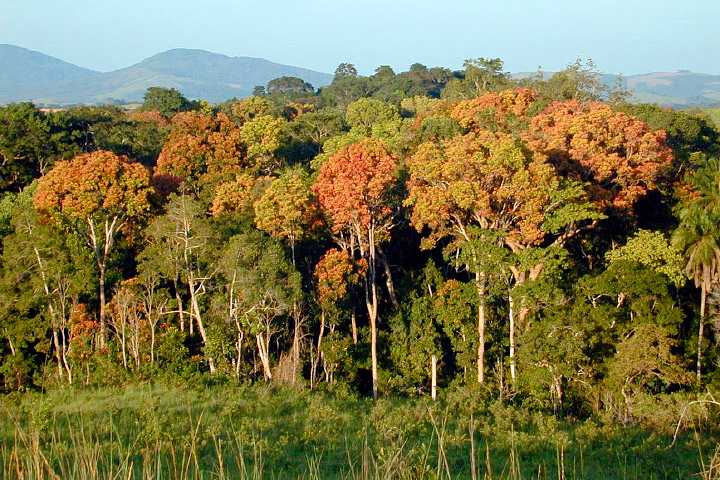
(29, 75)
(197, 73)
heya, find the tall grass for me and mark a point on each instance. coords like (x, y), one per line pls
(259, 433)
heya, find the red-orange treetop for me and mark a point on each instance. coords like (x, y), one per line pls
(95, 187)
(619, 155)
(355, 186)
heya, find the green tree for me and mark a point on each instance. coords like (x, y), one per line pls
(167, 101)
(288, 86)
(261, 285)
(697, 236)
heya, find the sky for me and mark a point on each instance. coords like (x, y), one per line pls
(628, 36)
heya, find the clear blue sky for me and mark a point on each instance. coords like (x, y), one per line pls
(623, 36)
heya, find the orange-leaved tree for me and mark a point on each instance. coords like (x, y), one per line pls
(487, 190)
(99, 195)
(356, 190)
(619, 156)
(201, 149)
(497, 111)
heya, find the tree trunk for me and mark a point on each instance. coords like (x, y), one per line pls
(433, 379)
(701, 328)
(512, 338)
(480, 285)
(58, 353)
(319, 348)
(388, 279)
(296, 345)
(263, 348)
(353, 324)
(196, 313)
(101, 280)
(180, 307)
(371, 299)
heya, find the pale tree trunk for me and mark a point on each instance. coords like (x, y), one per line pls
(388, 278)
(511, 315)
(102, 255)
(180, 306)
(701, 328)
(313, 372)
(263, 344)
(371, 299)
(433, 376)
(101, 281)
(59, 354)
(353, 324)
(480, 285)
(238, 348)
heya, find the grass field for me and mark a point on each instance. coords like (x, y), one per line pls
(258, 432)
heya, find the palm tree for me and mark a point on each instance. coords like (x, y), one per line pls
(698, 236)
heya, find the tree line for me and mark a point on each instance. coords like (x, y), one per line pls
(542, 238)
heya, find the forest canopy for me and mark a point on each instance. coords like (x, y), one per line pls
(537, 237)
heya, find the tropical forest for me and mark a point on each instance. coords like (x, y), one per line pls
(432, 274)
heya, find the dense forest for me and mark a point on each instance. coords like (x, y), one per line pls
(538, 241)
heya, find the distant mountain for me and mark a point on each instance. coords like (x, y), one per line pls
(29, 75)
(676, 89)
(681, 89)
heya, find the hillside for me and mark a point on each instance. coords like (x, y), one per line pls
(29, 75)
(677, 89)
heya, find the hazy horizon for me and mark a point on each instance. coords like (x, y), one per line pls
(320, 34)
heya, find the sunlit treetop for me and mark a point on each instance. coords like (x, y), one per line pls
(94, 186)
(201, 147)
(619, 155)
(354, 186)
(497, 111)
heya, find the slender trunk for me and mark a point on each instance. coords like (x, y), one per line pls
(353, 323)
(238, 347)
(480, 285)
(64, 357)
(123, 347)
(263, 348)
(101, 268)
(319, 347)
(198, 318)
(296, 345)
(373, 344)
(152, 344)
(371, 299)
(388, 279)
(58, 353)
(292, 248)
(180, 308)
(701, 328)
(512, 339)
(433, 374)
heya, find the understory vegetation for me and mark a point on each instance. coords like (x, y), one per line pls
(264, 432)
(425, 274)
